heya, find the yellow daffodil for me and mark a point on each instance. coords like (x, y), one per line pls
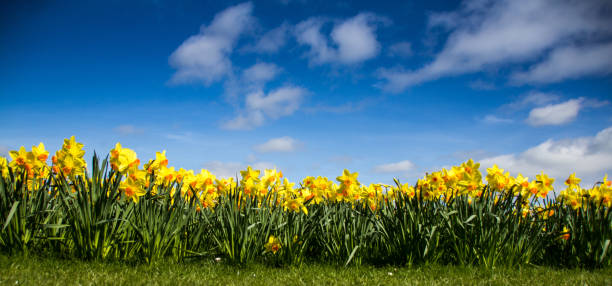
(132, 189)
(250, 174)
(123, 159)
(572, 181)
(273, 245)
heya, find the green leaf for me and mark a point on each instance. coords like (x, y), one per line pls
(351, 256)
(10, 215)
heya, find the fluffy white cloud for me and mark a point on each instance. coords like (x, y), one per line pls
(534, 98)
(308, 33)
(397, 167)
(205, 57)
(280, 102)
(261, 72)
(245, 121)
(354, 40)
(555, 114)
(485, 34)
(589, 157)
(281, 144)
(567, 63)
(271, 41)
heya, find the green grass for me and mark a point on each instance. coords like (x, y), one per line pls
(37, 270)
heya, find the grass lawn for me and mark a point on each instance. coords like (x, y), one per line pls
(52, 271)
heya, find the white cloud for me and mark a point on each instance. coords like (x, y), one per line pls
(401, 166)
(245, 121)
(205, 56)
(534, 98)
(261, 72)
(281, 144)
(308, 33)
(568, 63)
(280, 102)
(589, 157)
(224, 169)
(271, 41)
(555, 114)
(354, 40)
(492, 119)
(488, 34)
(252, 79)
(594, 103)
(128, 129)
(401, 49)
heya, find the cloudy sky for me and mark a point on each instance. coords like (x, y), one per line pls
(384, 88)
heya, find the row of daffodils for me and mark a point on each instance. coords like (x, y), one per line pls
(455, 199)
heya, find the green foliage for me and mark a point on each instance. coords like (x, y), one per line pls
(344, 232)
(95, 215)
(410, 229)
(90, 217)
(492, 230)
(240, 225)
(588, 238)
(159, 220)
(24, 211)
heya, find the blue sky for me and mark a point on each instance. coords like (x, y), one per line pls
(313, 87)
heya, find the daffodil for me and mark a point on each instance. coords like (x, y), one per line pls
(546, 184)
(159, 162)
(348, 179)
(69, 160)
(273, 245)
(250, 174)
(295, 205)
(565, 235)
(40, 155)
(132, 189)
(73, 148)
(472, 170)
(19, 159)
(123, 159)
(572, 181)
